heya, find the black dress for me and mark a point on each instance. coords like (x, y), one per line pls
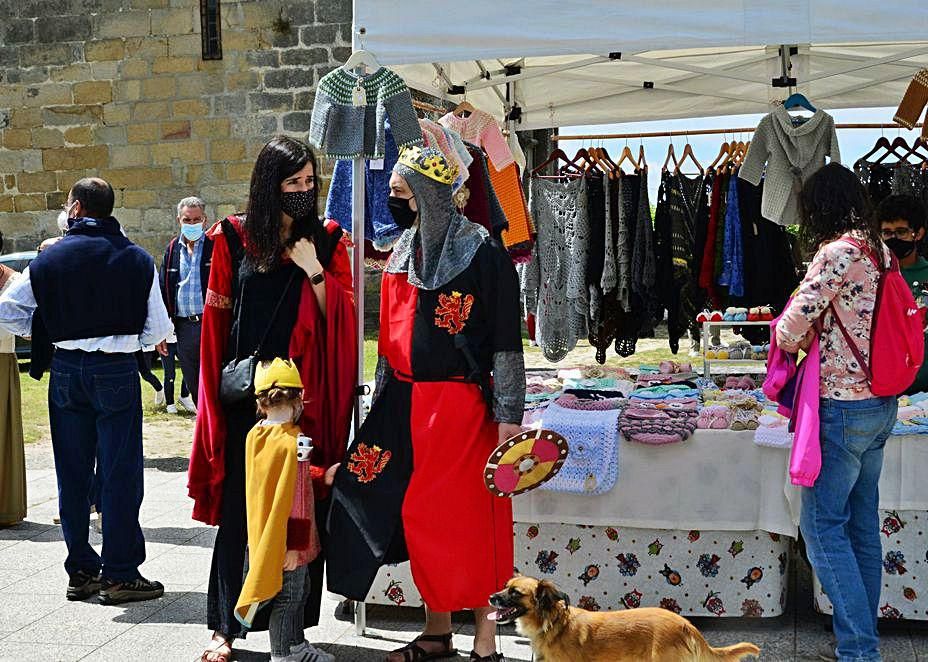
(257, 294)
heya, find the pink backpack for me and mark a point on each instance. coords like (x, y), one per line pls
(897, 334)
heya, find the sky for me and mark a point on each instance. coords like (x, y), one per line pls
(854, 142)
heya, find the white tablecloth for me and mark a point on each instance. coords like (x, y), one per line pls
(716, 480)
(902, 483)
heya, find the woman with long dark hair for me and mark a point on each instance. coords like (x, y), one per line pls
(280, 286)
(839, 520)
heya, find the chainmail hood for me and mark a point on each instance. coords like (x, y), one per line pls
(442, 243)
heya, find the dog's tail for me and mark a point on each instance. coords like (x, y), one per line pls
(736, 652)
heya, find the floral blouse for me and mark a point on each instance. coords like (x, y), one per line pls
(842, 274)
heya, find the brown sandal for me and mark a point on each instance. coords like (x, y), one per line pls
(413, 652)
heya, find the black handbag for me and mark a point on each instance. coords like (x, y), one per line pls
(237, 380)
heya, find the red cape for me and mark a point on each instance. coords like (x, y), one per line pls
(325, 349)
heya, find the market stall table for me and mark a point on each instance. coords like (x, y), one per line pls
(702, 526)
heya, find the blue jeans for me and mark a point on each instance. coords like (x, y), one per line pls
(840, 519)
(95, 409)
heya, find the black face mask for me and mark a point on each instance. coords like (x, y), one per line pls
(402, 214)
(900, 247)
(298, 204)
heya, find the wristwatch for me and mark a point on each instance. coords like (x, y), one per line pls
(315, 279)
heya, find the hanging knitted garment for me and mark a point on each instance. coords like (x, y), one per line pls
(554, 282)
(346, 102)
(732, 254)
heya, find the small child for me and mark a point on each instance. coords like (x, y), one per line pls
(282, 534)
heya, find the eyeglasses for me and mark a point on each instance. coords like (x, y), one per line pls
(905, 234)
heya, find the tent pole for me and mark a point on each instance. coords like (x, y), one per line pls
(357, 228)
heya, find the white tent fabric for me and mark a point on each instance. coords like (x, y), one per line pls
(703, 59)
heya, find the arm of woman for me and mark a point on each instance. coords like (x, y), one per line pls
(207, 457)
(818, 289)
(508, 359)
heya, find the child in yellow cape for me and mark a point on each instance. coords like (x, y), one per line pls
(282, 534)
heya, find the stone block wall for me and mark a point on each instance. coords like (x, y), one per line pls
(118, 89)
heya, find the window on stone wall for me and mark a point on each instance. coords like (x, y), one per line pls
(210, 29)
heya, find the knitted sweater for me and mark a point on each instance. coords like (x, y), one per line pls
(788, 151)
(344, 130)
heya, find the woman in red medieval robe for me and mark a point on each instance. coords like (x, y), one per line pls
(280, 285)
(450, 388)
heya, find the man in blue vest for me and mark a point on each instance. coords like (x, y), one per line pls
(184, 277)
(97, 294)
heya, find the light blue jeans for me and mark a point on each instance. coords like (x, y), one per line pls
(840, 519)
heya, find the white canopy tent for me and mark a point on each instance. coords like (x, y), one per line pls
(604, 61)
(568, 63)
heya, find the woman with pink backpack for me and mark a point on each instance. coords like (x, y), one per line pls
(847, 302)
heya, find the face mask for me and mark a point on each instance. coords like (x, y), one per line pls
(191, 232)
(298, 204)
(900, 247)
(402, 214)
(64, 218)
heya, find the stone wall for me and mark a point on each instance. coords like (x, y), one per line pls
(118, 89)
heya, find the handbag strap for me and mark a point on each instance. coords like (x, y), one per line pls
(236, 251)
(280, 301)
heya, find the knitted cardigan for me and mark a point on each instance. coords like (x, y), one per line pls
(789, 152)
(345, 131)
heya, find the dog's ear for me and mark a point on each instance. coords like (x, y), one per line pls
(547, 596)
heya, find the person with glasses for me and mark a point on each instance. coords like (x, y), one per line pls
(902, 221)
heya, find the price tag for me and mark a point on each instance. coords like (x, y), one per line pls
(376, 164)
(358, 95)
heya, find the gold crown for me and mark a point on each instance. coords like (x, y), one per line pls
(281, 373)
(431, 163)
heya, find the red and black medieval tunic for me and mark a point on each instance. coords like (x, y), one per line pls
(411, 485)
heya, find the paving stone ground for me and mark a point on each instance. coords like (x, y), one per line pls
(37, 623)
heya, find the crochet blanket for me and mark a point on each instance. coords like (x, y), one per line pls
(592, 464)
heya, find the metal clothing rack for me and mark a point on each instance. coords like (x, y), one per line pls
(428, 107)
(707, 132)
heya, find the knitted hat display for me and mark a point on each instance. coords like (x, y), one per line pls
(443, 242)
(914, 102)
(431, 163)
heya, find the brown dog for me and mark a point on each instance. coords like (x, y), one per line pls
(561, 633)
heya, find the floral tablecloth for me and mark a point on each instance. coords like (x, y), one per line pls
(695, 573)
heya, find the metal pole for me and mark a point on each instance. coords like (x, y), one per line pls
(357, 231)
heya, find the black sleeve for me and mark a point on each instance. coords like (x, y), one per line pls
(162, 274)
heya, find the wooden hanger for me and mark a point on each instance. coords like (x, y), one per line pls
(583, 162)
(626, 156)
(898, 143)
(688, 151)
(605, 163)
(881, 143)
(671, 156)
(724, 153)
(553, 157)
(464, 109)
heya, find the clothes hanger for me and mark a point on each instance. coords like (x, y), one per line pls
(797, 100)
(626, 156)
(361, 59)
(671, 156)
(898, 143)
(881, 143)
(724, 153)
(464, 109)
(583, 162)
(553, 157)
(606, 163)
(642, 162)
(688, 151)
